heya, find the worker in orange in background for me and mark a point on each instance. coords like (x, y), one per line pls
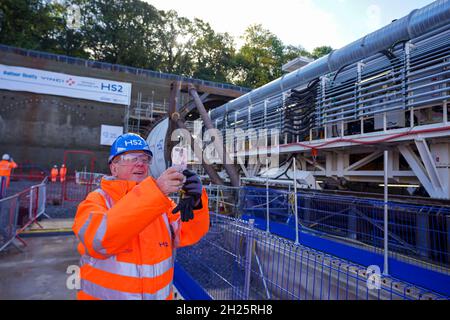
(62, 173)
(128, 228)
(54, 173)
(6, 165)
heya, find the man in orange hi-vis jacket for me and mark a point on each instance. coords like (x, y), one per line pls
(54, 173)
(62, 173)
(128, 228)
(6, 165)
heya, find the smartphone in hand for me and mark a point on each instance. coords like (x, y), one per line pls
(179, 158)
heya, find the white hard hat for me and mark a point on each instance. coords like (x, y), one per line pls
(6, 157)
(55, 166)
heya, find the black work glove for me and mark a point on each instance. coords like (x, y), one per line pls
(190, 199)
(186, 208)
(192, 186)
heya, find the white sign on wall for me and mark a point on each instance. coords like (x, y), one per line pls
(109, 133)
(61, 84)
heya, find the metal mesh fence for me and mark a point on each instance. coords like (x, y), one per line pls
(73, 189)
(418, 234)
(19, 211)
(236, 261)
(9, 208)
(224, 199)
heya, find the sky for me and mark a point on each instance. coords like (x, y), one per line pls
(309, 23)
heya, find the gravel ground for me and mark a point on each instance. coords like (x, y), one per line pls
(18, 186)
(68, 210)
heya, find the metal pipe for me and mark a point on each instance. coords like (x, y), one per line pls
(424, 102)
(398, 107)
(217, 199)
(248, 259)
(442, 65)
(364, 108)
(386, 226)
(417, 23)
(295, 201)
(267, 200)
(434, 75)
(30, 209)
(173, 115)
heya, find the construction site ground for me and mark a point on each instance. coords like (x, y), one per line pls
(39, 272)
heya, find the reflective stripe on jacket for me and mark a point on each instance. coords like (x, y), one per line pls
(127, 234)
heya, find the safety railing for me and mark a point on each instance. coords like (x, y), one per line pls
(19, 211)
(82, 177)
(223, 199)
(416, 234)
(3, 186)
(73, 189)
(28, 170)
(237, 261)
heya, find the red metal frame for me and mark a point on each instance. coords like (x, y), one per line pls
(33, 173)
(64, 184)
(92, 154)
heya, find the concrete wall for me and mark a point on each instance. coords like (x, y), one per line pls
(39, 128)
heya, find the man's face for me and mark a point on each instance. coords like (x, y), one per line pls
(131, 166)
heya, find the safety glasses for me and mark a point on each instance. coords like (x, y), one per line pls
(129, 159)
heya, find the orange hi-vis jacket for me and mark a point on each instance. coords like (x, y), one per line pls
(5, 169)
(53, 174)
(62, 173)
(127, 233)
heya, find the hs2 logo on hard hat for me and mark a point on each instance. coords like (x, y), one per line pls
(133, 143)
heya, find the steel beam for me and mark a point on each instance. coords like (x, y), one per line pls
(191, 105)
(437, 130)
(314, 164)
(428, 162)
(418, 168)
(196, 147)
(226, 160)
(173, 117)
(364, 161)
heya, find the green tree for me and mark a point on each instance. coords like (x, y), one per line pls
(260, 58)
(321, 51)
(32, 24)
(291, 52)
(212, 53)
(174, 42)
(121, 31)
(134, 33)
